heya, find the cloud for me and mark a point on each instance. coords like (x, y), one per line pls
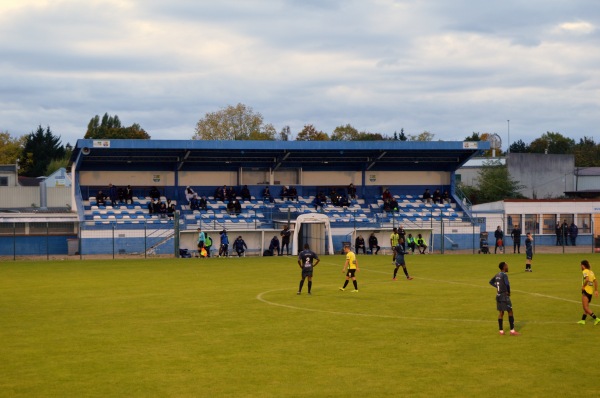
(450, 68)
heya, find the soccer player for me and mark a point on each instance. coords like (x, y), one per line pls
(503, 303)
(307, 260)
(589, 287)
(528, 252)
(394, 238)
(400, 260)
(351, 265)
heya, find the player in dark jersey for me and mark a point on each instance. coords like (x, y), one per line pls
(400, 252)
(503, 303)
(528, 252)
(307, 260)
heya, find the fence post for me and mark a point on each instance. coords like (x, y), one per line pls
(14, 241)
(176, 234)
(113, 239)
(145, 239)
(47, 241)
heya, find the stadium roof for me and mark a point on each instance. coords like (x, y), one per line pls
(196, 155)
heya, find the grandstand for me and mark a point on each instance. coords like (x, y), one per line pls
(405, 168)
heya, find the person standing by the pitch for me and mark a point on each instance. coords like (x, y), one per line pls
(285, 240)
(307, 261)
(528, 252)
(503, 303)
(351, 265)
(400, 262)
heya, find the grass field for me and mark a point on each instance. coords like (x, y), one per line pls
(235, 327)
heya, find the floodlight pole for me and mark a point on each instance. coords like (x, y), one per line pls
(508, 123)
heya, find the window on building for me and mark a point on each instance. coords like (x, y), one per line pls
(531, 224)
(3, 181)
(583, 222)
(549, 223)
(512, 220)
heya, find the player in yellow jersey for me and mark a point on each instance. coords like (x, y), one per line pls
(394, 239)
(350, 269)
(588, 289)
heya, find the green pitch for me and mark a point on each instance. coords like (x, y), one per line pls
(235, 327)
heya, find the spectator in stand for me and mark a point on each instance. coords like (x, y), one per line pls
(293, 193)
(285, 193)
(344, 202)
(221, 193)
(202, 203)
(335, 198)
(352, 191)
(151, 207)
(427, 196)
(320, 200)
(170, 209)
(237, 206)
(240, 246)
(437, 196)
(162, 210)
(387, 195)
(359, 244)
(121, 195)
(267, 195)
(190, 194)
(245, 193)
(157, 204)
(194, 204)
(573, 232)
(387, 205)
(231, 207)
(445, 197)
(100, 198)
(231, 194)
(128, 194)
(373, 244)
(394, 205)
(154, 193)
(113, 194)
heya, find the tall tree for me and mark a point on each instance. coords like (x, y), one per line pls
(344, 133)
(587, 153)
(41, 147)
(554, 143)
(110, 128)
(494, 183)
(424, 136)
(402, 137)
(285, 133)
(474, 137)
(310, 133)
(238, 122)
(266, 133)
(10, 148)
(519, 147)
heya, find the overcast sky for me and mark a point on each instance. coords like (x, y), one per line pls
(450, 67)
